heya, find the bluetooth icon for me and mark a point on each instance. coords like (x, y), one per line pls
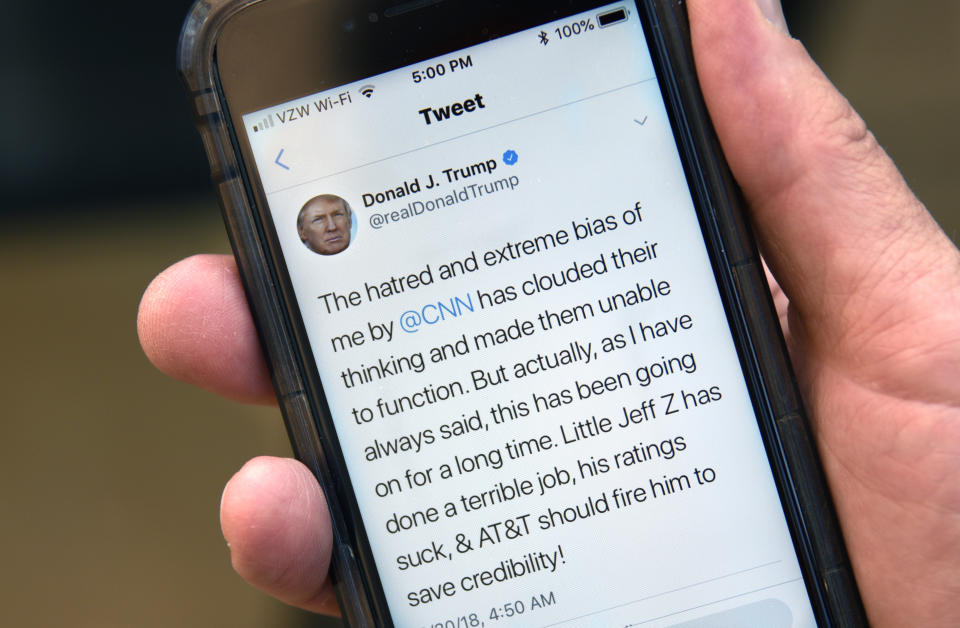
(543, 38)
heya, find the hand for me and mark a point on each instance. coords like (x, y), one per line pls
(870, 304)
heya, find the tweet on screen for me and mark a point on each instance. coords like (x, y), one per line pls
(527, 361)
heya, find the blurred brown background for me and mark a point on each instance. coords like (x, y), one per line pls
(110, 473)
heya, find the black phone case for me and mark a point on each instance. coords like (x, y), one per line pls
(736, 264)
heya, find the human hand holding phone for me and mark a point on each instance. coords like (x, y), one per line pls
(865, 269)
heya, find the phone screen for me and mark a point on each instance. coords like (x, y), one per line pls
(521, 342)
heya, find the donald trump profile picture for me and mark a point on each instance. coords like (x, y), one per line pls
(324, 224)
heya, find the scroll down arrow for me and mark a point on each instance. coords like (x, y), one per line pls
(640, 122)
(277, 161)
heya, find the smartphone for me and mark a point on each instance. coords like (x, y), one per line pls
(516, 321)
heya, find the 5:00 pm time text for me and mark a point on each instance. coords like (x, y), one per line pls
(436, 70)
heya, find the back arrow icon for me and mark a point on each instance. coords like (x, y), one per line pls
(277, 161)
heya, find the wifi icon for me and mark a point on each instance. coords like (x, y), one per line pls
(367, 90)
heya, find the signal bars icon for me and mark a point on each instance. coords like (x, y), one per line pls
(266, 123)
(367, 90)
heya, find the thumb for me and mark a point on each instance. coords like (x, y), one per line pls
(834, 217)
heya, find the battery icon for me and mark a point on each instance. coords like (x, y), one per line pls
(612, 17)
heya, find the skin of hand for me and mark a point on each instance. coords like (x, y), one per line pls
(869, 299)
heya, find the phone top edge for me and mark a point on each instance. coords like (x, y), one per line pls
(375, 46)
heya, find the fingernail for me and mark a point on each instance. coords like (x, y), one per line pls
(773, 11)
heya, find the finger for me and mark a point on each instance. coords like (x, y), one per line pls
(833, 213)
(275, 520)
(194, 325)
